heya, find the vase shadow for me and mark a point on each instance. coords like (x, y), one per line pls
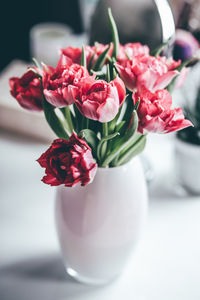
(40, 278)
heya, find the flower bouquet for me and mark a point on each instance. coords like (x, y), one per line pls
(101, 101)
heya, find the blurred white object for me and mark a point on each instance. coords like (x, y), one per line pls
(187, 165)
(46, 39)
(77, 40)
(87, 10)
(13, 117)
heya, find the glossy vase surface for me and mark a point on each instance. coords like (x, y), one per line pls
(98, 225)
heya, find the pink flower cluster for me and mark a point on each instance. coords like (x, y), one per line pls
(140, 74)
(147, 77)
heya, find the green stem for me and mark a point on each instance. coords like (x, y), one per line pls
(105, 129)
(78, 117)
(116, 151)
(114, 34)
(69, 118)
(53, 120)
(135, 149)
(104, 134)
(85, 123)
(83, 58)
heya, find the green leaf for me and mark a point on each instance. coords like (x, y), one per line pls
(159, 49)
(83, 58)
(120, 126)
(194, 58)
(136, 105)
(115, 35)
(90, 137)
(53, 120)
(122, 142)
(68, 117)
(101, 60)
(129, 107)
(127, 131)
(112, 124)
(172, 84)
(136, 148)
(36, 73)
(78, 117)
(90, 62)
(103, 140)
(108, 73)
(98, 73)
(85, 123)
(36, 62)
(129, 58)
(132, 126)
(114, 73)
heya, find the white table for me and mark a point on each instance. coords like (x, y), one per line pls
(165, 265)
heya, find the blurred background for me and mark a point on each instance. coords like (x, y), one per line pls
(168, 263)
(41, 30)
(135, 21)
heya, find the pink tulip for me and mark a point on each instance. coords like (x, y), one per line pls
(58, 83)
(92, 53)
(75, 53)
(131, 50)
(98, 99)
(148, 71)
(155, 113)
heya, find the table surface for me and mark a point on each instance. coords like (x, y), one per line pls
(165, 265)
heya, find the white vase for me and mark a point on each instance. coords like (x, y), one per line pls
(187, 161)
(98, 225)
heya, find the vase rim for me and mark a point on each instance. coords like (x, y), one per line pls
(101, 169)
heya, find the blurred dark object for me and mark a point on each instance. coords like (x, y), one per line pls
(189, 16)
(185, 45)
(17, 17)
(185, 14)
(137, 21)
(192, 134)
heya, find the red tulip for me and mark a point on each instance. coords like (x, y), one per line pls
(68, 162)
(27, 91)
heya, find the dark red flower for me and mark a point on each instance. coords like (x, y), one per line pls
(27, 91)
(68, 162)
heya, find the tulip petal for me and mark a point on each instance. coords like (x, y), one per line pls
(164, 80)
(127, 76)
(120, 88)
(89, 109)
(107, 110)
(54, 98)
(68, 95)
